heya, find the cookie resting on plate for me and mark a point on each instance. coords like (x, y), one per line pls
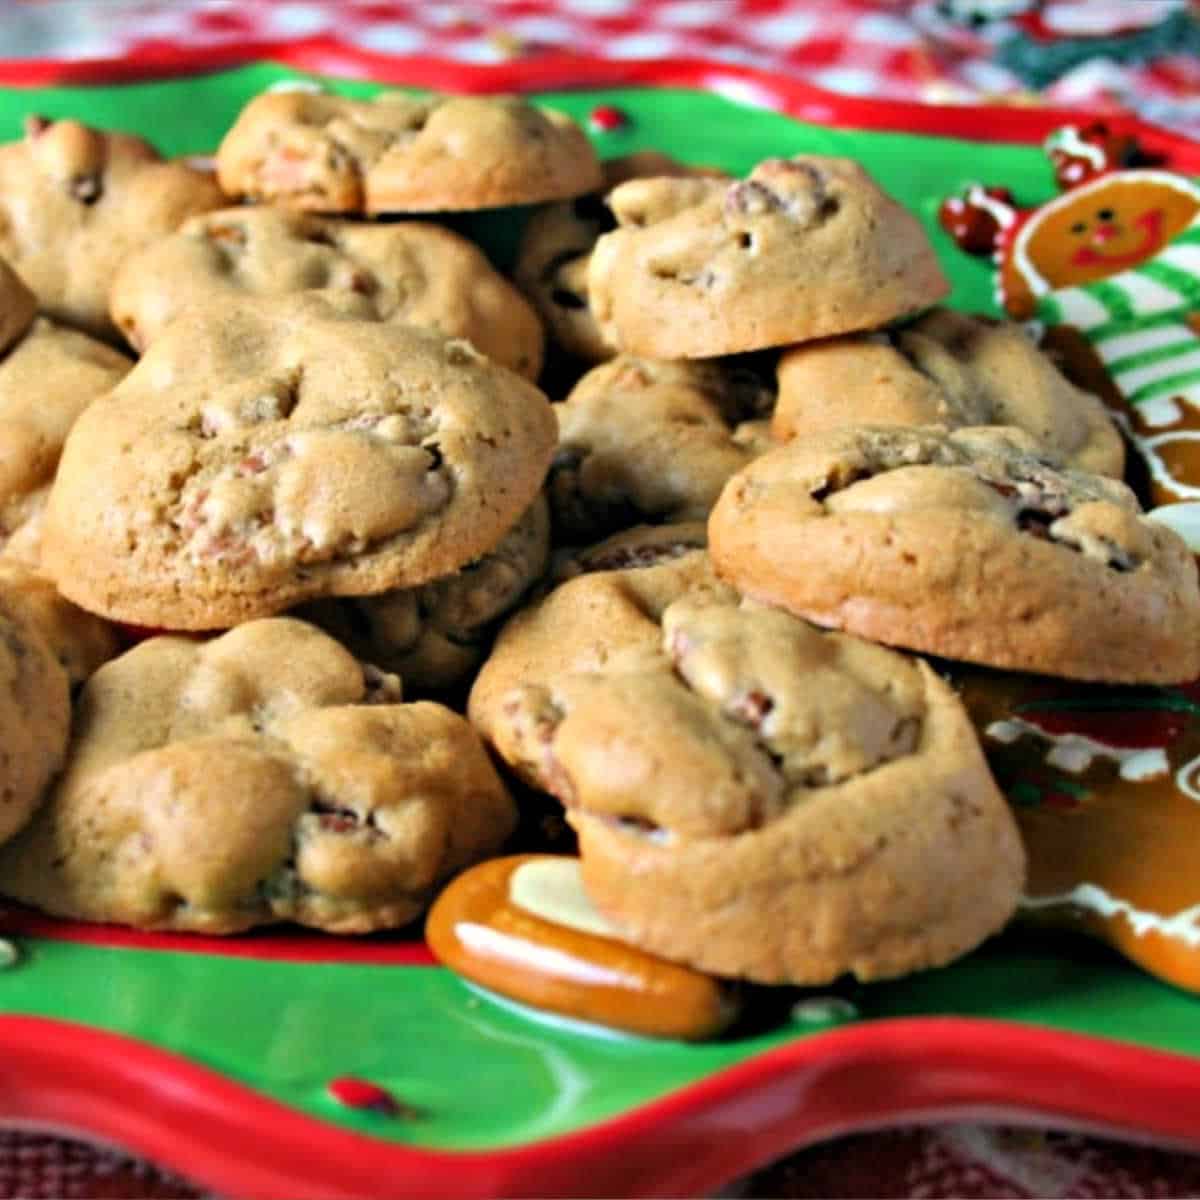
(949, 369)
(265, 775)
(76, 201)
(754, 797)
(410, 272)
(403, 153)
(805, 247)
(970, 544)
(265, 454)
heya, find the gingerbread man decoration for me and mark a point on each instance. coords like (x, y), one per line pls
(1115, 256)
(1105, 785)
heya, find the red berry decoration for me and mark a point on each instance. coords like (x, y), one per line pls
(358, 1093)
(604, 118)
(972, 221)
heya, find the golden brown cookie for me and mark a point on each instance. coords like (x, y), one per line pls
(46, 381)
(75, 201)
(753, 796)
(948, 369)
(556, 246)
(643, 440)
(435, 635)
(18, 306)
(805, 247)
(411, 272)
(970, 544)
(35, 710)
(260, 456)
(401, 153)
(79, 640)
(262, 776)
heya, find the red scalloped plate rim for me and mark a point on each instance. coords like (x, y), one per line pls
(562, 70)
(225, 1136)
(68, 1076)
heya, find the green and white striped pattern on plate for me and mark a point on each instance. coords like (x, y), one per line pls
(1138, 322)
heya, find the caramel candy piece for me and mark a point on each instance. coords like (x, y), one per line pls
(523, 926)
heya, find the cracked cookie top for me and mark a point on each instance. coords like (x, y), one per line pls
(556, 246)
(403, 153)
(264, 455)
(46, 380)
(969, 544)
(805, 247)
(76, 201)
(949, 369)
(642, 440)
(412, 272)
(265, 775)
(681, 722)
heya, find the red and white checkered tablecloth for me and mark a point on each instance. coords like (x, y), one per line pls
(939, 51)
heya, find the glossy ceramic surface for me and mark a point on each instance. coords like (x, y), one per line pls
(298, 1064)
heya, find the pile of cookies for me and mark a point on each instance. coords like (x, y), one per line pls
(773, 480)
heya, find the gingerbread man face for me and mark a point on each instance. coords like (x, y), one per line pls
(1094, 232)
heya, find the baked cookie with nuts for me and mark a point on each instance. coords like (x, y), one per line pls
(35, 709)
(805, 247)
(754, 797)
(397, 152)
(46, 380)
(411, 272)
(262, 455)
(556, 246)
(951, 369)
(435, 635)
(263, 776)
(647, 441)
(971, 544)
(76, 201)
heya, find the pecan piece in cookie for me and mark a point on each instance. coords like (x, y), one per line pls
(969, 544)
